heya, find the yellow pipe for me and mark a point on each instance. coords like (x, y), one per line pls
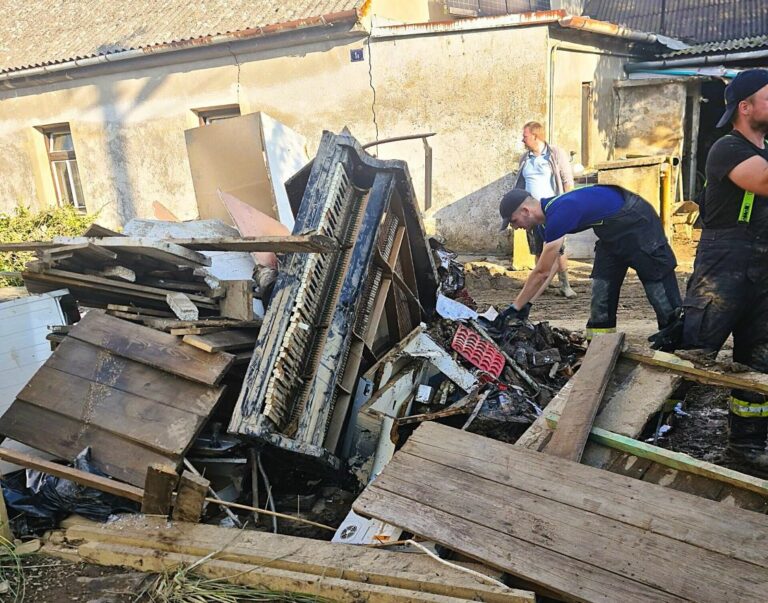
(665, 211)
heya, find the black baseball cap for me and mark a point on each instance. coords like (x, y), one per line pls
(509, 203)
(741, 88)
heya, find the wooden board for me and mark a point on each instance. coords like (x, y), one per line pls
(222, 341)
(103, 484)
(149, 423)
(327, 589)
(586, 395)
(158, 490)
(585, 534)
(95, 364)
(150, 347)
(163, 251)
(65, 437)
(359, 564)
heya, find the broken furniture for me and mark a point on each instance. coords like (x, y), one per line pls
(573, 530)
(134, 395)
(333, 314)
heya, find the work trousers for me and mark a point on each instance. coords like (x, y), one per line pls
(728, 294)
(632, 238)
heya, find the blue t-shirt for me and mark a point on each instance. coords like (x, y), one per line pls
(579, 209)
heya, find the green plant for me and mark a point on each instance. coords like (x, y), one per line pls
(11, 571)
(183, 586)
(22, 225)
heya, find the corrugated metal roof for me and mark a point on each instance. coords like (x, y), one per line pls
(41, 32)
(719, 47)
(691, 20)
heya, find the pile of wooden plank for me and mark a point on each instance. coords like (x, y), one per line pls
(283, 563)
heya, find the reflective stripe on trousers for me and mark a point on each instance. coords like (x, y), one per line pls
(743, 408)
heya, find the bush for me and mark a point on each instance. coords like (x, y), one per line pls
(24, 225)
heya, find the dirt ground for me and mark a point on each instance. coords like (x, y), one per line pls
(491, 281)
(52, 580)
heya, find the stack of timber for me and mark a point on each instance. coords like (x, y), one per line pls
(134, 395)
(151, 275)
(576, 532)
(283, 563)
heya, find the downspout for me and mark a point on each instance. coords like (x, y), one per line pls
(208, 47)
(566, 47)
(715, 59)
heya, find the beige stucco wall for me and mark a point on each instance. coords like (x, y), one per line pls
(474, 89)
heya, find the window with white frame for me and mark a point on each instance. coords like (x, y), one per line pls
(61, 156)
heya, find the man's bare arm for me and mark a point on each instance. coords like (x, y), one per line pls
(540, 274)
(751, 175)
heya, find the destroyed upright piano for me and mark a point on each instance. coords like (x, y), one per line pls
(333, 314)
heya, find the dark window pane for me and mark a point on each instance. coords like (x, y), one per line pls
(67, 181)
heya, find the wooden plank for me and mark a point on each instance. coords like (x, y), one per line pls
(151, 347)
(645, 506)
(165, 324)
(621, 556)
(95, 364)
(190, 498)
(196, 330)
(104, 289)
(307, 243)
(755, 382)
(140, 311)
(122, 459)
(182, 306)
(676, 460)
(103, 484)
(290, 553)
(222, 341)
(158, 489)
(329, 589)
(119, 272)
(237, 302)
(587, 391)
(164, 251)
(162, 428)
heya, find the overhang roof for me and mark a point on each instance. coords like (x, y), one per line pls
(36, 33)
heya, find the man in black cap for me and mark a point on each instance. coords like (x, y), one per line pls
(728, 291)
(629, 233)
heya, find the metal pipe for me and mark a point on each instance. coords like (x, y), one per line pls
(714, 59)
(207, 47)
(607, 29)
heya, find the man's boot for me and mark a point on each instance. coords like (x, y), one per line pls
(565, 287)
(748, 438)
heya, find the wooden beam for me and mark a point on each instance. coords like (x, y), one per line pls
(701, 376)
(318, 558)
(310, 243)
(587, 391)
(330, 589)
(103, 484)
(676, 460)
(190, 498)
(222, 341)
(158, 489)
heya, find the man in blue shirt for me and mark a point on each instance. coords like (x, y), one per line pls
(629, 233)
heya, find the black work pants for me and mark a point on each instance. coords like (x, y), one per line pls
(633, 238)
(728, 294)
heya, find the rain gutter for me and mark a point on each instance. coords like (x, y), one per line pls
(713, 59)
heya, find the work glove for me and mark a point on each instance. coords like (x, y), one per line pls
(511, 313)
(670, 337)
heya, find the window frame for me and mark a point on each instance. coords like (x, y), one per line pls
(54, 157)
(210, 115)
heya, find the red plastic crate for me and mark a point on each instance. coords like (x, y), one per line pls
(478, 351)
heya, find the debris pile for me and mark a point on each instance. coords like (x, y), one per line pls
(200, 390)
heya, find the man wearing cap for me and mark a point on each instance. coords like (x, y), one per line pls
(728, 291)
(630, 235)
